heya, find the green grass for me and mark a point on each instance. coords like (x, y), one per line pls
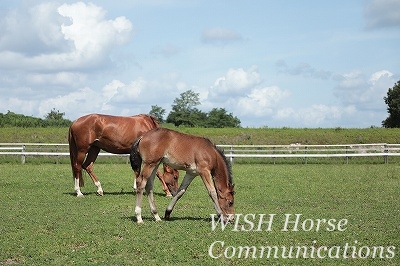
(42, 222)
(275, 136)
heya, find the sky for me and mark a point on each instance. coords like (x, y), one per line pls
(297, 64)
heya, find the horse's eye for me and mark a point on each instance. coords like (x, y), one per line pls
(230, 203)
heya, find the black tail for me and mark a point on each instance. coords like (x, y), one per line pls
(135, 158)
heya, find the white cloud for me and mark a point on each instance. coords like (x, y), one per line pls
(317, 115)
(58, 79)
(302, 69)
(83, 100)
(261, 102)
(235, 81)
(356, 89)
(123, 93)
(70, 37)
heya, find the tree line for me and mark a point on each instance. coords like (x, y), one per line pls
(185, 113)
(53, 119)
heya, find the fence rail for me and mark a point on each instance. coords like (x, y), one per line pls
(296, 150)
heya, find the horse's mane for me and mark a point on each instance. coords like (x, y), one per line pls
(226, 161)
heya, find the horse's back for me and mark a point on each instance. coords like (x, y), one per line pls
(170, 145)
(114, 134)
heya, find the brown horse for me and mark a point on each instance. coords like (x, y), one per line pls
(115, 134)
(168, 174)
(195, 155)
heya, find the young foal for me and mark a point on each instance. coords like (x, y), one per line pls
(115, 134)
(168, 174)
(195, 155)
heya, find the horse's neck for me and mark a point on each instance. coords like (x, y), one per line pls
(221, 177)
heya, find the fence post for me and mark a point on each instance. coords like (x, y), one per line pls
(305, 148)
(23, 155)
(231, 153)
(273, 152)
(57, 157)
(347, 157)
(386, 156)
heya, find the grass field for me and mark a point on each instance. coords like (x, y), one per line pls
(251, 136)
(43, 223)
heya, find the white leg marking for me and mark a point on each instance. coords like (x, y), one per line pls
(138, 212)
(77, 188)
(99, 188)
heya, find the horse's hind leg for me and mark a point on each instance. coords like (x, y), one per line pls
(77, 171)
(145, 180)
(88, 166)
(149, 190)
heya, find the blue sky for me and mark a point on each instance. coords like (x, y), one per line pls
(270, 63)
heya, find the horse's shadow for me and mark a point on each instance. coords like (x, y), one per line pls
(171, 219)
(114, 193)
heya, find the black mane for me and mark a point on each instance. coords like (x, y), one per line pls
(227, 163)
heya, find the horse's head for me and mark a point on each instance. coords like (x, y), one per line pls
(226, 202)
(170, 178)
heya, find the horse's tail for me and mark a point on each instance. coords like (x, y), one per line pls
(135, 158)
(73, 155)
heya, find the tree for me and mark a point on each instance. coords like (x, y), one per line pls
(158, 112)
(54, 115)
(184, 111)
(393, 102)
(218, 117)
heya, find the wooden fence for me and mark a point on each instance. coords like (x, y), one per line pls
(273, 152)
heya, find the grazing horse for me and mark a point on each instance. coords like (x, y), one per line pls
(168, 174)
(195, 155)
(115, 134)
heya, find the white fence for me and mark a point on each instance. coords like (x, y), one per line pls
(296, 150)
(346, 151)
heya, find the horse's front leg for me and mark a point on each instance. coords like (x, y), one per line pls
(182, 189)
(212, 192)
(164, 186)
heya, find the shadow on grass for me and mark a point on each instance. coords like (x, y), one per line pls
(172, 219)
(105, 193)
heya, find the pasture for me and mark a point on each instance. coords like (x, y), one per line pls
(42, 222)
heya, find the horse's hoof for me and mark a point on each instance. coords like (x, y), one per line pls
(169, 196)
(99, 193)
(167, 215)
(80, 195)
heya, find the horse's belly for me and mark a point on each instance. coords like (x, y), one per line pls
(185, 166)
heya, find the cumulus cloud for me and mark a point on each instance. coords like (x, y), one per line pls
(220, 36)
(85, 100)
(382, 14)
(47, 37)
(316, 115)
(261, 101)
(235, 81)
(364, 92)
(302, 69)
(121, 93)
